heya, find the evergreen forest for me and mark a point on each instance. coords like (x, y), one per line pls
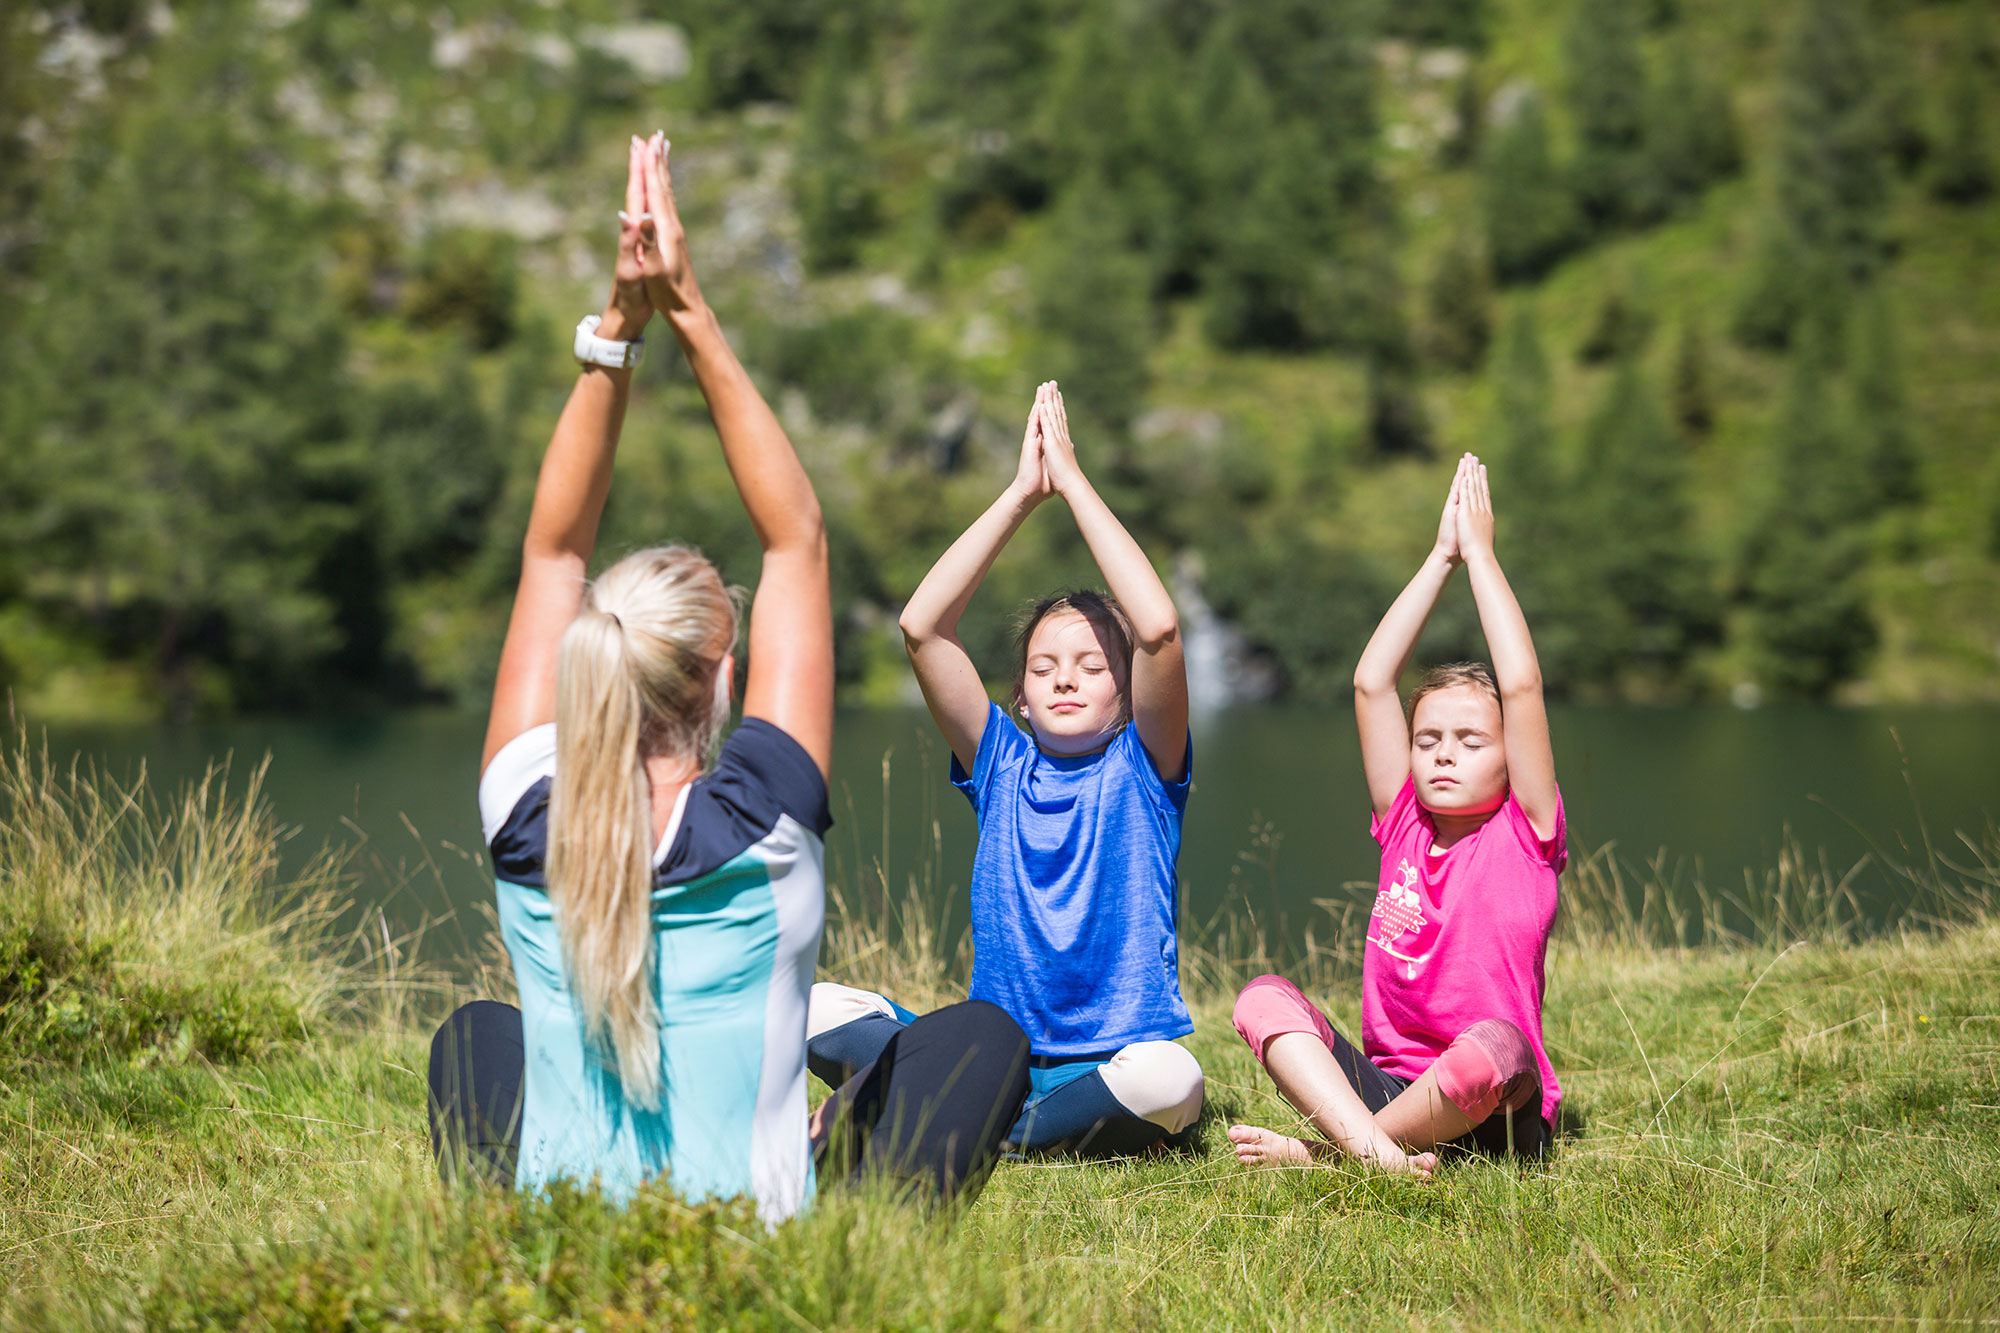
(287, 287)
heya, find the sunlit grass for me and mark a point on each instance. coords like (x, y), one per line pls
(1775, 1113)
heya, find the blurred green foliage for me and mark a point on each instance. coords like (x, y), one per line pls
(285, 290)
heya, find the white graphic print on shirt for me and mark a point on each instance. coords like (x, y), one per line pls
(1397, 914)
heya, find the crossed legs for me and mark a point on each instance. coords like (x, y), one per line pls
(1364, 1112)
(1139, 1096)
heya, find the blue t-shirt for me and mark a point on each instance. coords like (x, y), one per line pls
(1073, 901)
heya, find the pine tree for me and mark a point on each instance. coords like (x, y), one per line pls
(1691, 138)
(1460, 23)
(1807, 550)
(1317, 59)
(1521, 396)
(1461, 147)
(1535, 510)
(1993, 510)
(1230, 157)
(1833, 169)
(1091, 295)
(1270, 283)
(1881, 403)
(1608, 97)
(1623, 327)
(1777, 293)
(1163, 197)
(1634, 543)
(1965, 171)
(195, 471)
(834, 184)
(1086, 118)
(983, 62)
(1693, 397)
(1531, 220)
(1374, 320)
(1458, 303)
(751, 50)
(983, 70)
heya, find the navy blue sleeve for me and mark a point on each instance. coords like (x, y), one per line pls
(521, 848)
(761, 776)
(762, 753)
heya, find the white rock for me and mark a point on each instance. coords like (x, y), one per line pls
(656, 51)
(1199, 425)
(981, 337)
(78, 53)
(528, 214)
(549, 49)
(454, 47)
(1443, 64)
(1508, 100)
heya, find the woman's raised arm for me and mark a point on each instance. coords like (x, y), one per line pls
(569, 496)
(790, 680)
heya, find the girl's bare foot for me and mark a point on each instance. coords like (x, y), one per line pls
(1264, 1147)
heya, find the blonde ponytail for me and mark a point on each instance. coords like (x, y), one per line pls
(638, 673)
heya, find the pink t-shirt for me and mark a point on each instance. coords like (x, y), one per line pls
(1457, 936)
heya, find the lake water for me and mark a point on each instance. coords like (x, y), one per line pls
(1278, 816)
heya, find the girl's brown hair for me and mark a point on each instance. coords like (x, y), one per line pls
(1102, 610)
(1450, 676)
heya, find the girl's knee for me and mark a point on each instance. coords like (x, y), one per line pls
(831, 1005)
(1159, 1081)
(1268, 1007)
(1489, 1067)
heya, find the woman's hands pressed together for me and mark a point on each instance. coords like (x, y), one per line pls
(669, 272)
(630, 307)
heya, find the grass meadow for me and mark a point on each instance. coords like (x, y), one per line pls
(212, 1116)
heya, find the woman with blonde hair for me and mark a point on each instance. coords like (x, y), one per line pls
(663, 913)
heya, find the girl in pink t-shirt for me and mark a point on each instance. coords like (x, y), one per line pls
(1471, 828)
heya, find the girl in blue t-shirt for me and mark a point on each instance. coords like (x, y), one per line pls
(1073, 885)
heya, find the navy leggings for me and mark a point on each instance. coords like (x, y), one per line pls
(1067, 1109)
(927, 1113)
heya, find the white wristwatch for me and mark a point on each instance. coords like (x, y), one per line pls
(592, 350)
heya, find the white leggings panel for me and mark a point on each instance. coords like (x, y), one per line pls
(832, 1004)
(1158, 1081)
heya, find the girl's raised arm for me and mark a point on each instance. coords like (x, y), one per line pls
(790, 680)
(1378, 708)
(1531, 761)
(569, 497)
(951, 684)
(1159, 673)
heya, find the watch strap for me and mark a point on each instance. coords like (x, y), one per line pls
(592, 350)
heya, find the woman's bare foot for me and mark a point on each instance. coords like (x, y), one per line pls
(1264, 1147)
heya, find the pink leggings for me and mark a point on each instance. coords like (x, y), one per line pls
(1489, 1067)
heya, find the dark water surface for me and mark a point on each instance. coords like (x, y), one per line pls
(1277, 819)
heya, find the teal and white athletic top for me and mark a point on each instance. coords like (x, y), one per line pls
(738, 902)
